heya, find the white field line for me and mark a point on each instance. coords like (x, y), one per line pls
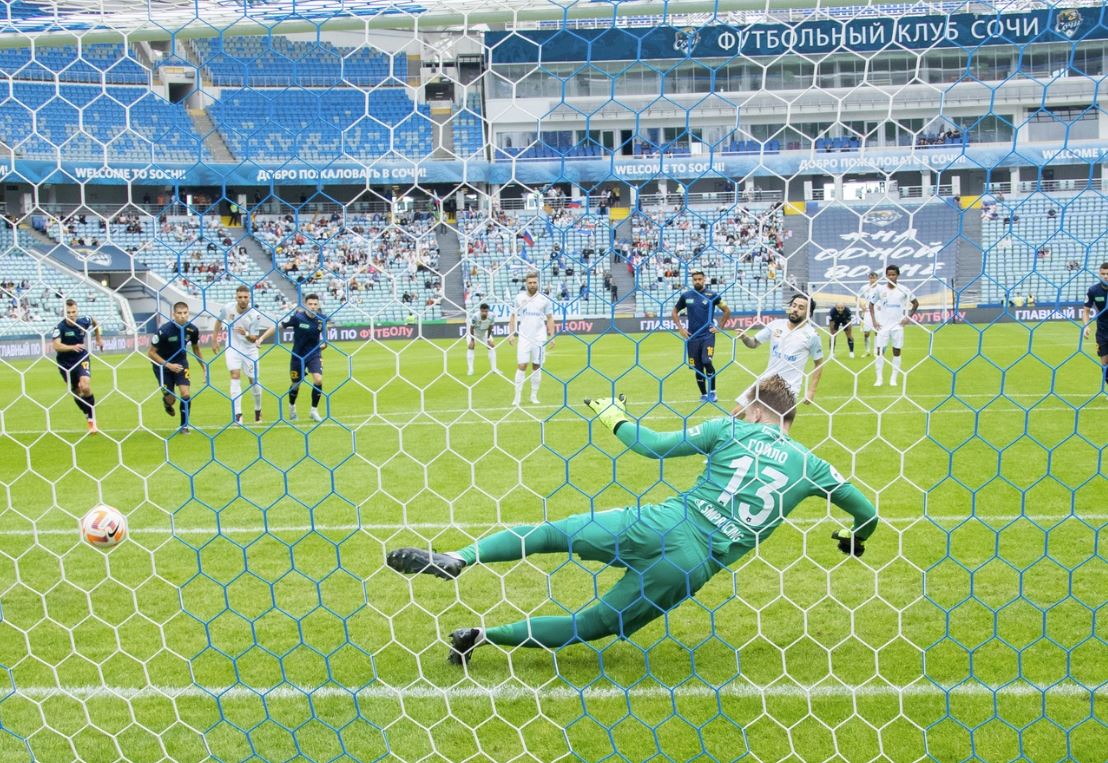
(321, 527)
(406, 417)
(514, 691)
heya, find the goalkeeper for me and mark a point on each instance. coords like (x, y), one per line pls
(755, 475)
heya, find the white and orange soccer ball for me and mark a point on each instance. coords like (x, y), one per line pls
(103, 526)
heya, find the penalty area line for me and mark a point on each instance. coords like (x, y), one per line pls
(555, 693)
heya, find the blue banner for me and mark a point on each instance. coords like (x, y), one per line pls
(963, 30)
(103, 259)
(542, 172)
(848, 243)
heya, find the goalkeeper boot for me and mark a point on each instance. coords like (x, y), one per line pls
(412, 561)
(462, 643)
(315, 415)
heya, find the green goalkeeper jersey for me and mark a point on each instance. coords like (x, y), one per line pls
(753, 478)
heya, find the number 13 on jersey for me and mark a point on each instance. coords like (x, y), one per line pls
(768, 493)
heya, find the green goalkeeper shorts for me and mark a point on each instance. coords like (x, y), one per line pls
(666, 555)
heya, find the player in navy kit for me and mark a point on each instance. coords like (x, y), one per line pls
(71, 338)
(840, 319)
(1096, 309)
(700, 306)
(309, 331)
(169, 354)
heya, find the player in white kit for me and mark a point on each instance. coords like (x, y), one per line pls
(247, 330)
(891, 307)
(863, 310)
(531, 329)
(480, 330)
(792, 341)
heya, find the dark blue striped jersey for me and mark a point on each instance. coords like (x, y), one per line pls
(72, 334)
(700, 310)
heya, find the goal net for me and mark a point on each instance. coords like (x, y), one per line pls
(412, 166)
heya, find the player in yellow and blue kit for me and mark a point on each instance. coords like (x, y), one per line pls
(755, 475)
(699, 304)
(309, 338)
(169, 354)
(71, 340)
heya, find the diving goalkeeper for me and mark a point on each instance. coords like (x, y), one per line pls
(755, 475)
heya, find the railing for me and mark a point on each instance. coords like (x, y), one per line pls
(650, 200)
(1075, 185)
(900, 192)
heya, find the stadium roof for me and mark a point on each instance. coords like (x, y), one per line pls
(57, 21)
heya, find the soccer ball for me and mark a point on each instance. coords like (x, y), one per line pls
(103, 526)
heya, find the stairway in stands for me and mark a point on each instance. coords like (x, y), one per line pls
(453, 277)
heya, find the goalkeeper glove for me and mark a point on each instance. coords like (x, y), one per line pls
(848, 544)
(611, 411)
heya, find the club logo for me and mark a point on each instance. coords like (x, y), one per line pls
(881, 217)
(1067, 22)
(686, 40)
(93, 257)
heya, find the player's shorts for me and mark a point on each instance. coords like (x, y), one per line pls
(667, 555)
(893, 335)
(238, 360)
(1102, 344)
(867, 322)
(530, 351)
(700, 350)
(73, 374)
(299, 368)
(836, 327)
(167, 379)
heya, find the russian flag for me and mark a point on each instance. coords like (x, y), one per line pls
(527, 237)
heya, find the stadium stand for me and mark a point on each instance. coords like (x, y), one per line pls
(322, 125)
(95, 63)
(469, 130)
(570, 251)
(33, 291)
(1041, 246)
(203, 263)
(739, 250)
(276, 61)
(380, 271)
(90, 123)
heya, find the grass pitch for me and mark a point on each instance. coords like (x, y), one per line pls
(250, 614)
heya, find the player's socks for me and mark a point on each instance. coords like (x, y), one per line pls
(80, 403)
(700, 383)
(469, 362)
(521, 376)
(317, 393)
(167, 403)
(236, 396)
(293, 392)
(850, 346)
(257, 390)
(880, 362)
(1104, 377)
(896, 369)
(185, 405)
(536, 379)
(548, 631)
(710, 379)
(492, 361)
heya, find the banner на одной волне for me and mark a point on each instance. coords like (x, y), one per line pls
(849, 242)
